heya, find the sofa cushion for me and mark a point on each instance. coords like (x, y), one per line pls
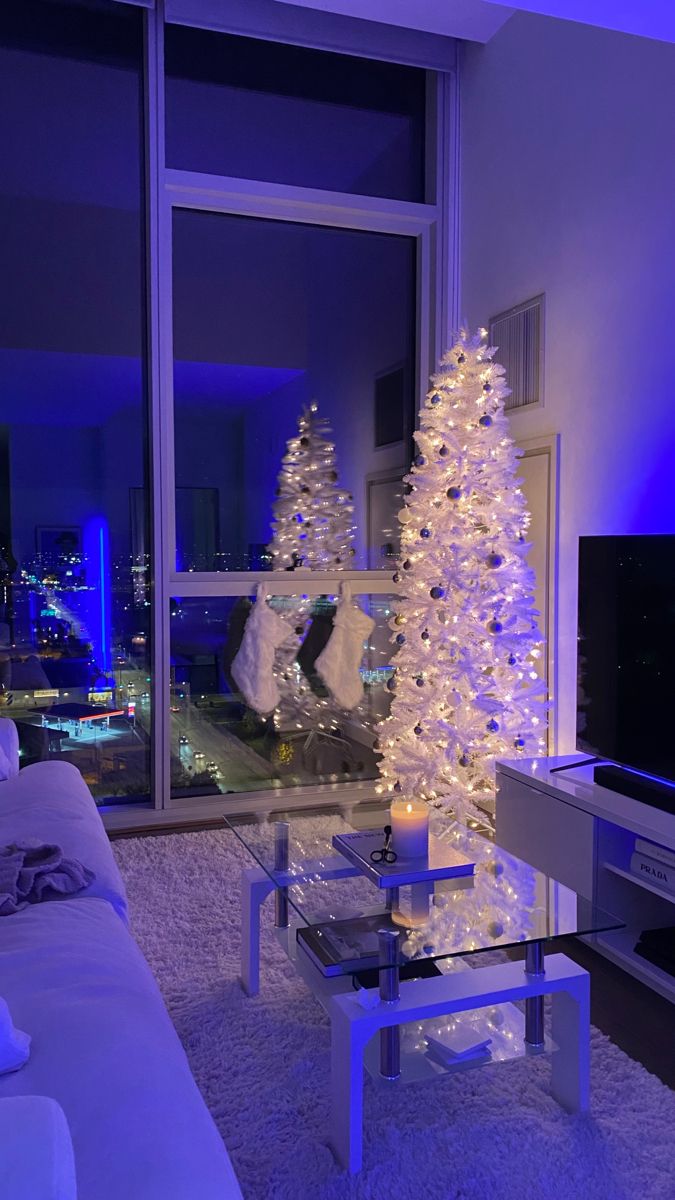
(50, 802)
(36, 1151)
(105, 1049)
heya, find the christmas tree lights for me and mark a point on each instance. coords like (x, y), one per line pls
(312, 525)
(313, 530)
(466, 689)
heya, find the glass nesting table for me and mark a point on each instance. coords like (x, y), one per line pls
(394, 968)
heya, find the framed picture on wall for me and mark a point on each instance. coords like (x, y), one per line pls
(393, 406)
(385, 491)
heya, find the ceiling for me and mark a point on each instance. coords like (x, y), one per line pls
(479, 20)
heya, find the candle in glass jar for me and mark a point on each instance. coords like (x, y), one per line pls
(410, 828)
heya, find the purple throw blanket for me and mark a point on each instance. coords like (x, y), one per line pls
(31, 872)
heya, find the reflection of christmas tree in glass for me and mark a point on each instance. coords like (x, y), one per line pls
(312, 530)
(466, 686)
(313, 517)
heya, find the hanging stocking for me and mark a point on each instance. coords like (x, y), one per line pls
(338, 663)
(252, 668)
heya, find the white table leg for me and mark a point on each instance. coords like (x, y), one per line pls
(354, 1022)
(256, 886)
(571, 1031)
(347, 1046)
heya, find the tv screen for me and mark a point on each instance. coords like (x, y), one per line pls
(626, 651)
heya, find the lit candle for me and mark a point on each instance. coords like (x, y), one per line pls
(410, 828)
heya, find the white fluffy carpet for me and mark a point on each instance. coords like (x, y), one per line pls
(263, 1067)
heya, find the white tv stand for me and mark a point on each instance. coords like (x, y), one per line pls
(584, 835)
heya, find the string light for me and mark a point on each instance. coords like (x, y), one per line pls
(472, 692)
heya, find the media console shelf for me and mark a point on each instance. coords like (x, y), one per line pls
(584, 835)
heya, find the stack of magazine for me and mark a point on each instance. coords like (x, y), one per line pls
(655, 864)
(462, 1044)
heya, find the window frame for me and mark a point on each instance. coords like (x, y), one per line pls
(433, 225)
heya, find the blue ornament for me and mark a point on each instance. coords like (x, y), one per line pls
(486, 421)
(407, 565)
(464, 761)
(494, 560)
(419, 681)
(512, 660)
(444, 452)
(400, 639)
(461, 358)
(425, 533)
(396, 578)
(418, 730)
(397, 787)
(487, 388)
(436, 398)
(495, 626)
(492, 726)
(437, 593)
(298, 516)
(391, 684)
(425, 635)
(519, 743)
(420, 461)
(453, 493)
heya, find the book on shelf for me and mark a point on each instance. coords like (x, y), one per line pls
(658, 873)
(442, 861)
(652, 850)
(340, 947)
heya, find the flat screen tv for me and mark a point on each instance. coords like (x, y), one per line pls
(626, 651)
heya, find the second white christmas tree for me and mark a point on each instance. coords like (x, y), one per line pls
(466, 686)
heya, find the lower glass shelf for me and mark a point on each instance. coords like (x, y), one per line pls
(504, 1024)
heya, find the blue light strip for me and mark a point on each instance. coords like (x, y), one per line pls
(646, 775)
(98, 606)
(105, 648)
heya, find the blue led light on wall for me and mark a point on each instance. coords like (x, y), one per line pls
(97, 556)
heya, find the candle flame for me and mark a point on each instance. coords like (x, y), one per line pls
(408, 808)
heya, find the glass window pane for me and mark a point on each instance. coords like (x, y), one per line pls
(260, 110)
(270, 318)
(220, 744)
(74, 615)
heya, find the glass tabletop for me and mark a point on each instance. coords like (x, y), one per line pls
(336, 913)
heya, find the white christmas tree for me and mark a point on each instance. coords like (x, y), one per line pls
(312, 529)
(312, 525)
(466, 686)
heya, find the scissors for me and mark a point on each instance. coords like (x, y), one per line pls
(386, 854)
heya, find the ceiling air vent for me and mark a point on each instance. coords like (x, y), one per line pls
(519, 336)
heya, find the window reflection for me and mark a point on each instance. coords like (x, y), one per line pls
(220, 744)
(74, 551)
(271, 318)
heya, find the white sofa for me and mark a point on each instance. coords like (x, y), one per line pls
(103, 1045)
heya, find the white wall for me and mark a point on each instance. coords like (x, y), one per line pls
(568, 180)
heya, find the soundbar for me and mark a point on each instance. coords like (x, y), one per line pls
(646, 788)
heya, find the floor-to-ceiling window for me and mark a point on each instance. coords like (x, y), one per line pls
(74, 544)
(208, 237)
(297, 220)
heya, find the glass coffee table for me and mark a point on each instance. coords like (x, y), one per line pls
(395, 969)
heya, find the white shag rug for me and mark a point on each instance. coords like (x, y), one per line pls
(263, 1068)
